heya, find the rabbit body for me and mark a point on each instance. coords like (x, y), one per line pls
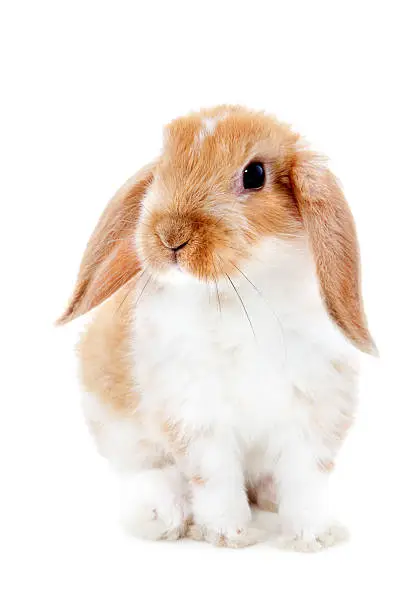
(214, 408)
(223, 367)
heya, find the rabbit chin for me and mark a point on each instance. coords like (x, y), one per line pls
(175, 275)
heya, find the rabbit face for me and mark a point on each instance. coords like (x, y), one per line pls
(227, 178)
(220, 186)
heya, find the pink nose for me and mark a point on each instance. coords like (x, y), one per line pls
(173, 243)
(174, 233)
(178, 247)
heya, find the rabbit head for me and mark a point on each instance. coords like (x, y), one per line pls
(227, 178)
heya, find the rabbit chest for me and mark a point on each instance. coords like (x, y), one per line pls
(237, 360)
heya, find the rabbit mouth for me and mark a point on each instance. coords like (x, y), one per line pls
(193, 244)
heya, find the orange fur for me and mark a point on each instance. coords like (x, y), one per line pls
(332, 236)
(110, 259)
(197, 179)
(263, 494)
(177, 441)
(105, 354)
(196, 479)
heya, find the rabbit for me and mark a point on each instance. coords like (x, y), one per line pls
(221, 366)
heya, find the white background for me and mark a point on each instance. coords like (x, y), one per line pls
(86, 87)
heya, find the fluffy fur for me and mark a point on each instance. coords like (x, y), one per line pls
(224, 367)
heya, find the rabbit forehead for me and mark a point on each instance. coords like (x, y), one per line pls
(215, 142)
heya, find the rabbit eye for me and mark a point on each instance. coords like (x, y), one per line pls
(254, 176)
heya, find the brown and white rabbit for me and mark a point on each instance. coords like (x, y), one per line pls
(224, 365)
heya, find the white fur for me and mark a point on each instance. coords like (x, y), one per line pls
(252, 402)
(154, 503)
(209, 125)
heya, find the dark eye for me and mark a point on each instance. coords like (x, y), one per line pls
(254, 176)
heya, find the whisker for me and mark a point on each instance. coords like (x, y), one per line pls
(220, 219)
(216, 286)
(278, 321)
(124, 300)
(128, 292)
(115, 283)
(218, 296)
(249, 281)
(242, 303)
(143, 290)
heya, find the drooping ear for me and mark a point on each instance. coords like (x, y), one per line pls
(110, 258)
(332, 236)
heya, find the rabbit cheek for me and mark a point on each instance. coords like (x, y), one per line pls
(195, 244)
(272, 213)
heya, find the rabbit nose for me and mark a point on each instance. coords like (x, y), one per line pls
(174, 244)
(179, 247)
